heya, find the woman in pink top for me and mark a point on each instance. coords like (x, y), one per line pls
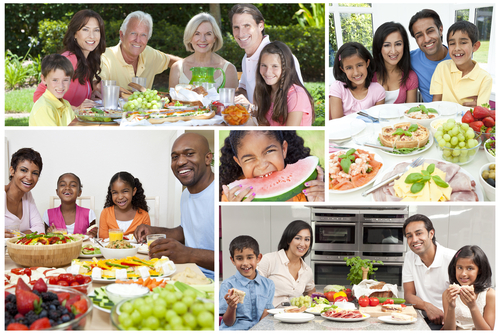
(292, 277)
(391, 55)
(21, 213)
(353, 91)
(280, 97)
(84, 42)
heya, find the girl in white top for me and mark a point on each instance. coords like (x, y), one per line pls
(292, 277)
(203, 37)
(469, 303)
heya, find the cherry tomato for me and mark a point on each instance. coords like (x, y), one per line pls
(80, 279)
(374, 301)
(70, 279)
(64, 277)
(87, 279)
(74, 284)
(62, 283)
(330, 296)
(403, 305)
(388, 301)
(52, 280)
(363, 301)
(27, 271)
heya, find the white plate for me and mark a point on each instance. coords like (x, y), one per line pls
(276, 310)
(83, 256)
(311, 310)
(388, 319)
(97, 306)
(365, 316)
(178, 107)
(401, 108)
(141, 250)
(426, 147)
(294, 318)
(479, 189)
(340, 127)
(377, 158)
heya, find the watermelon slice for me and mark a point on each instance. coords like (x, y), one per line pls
(283, 185)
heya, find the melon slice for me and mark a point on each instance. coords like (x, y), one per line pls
(283, 185)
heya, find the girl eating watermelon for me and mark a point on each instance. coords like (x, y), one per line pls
(258, 155)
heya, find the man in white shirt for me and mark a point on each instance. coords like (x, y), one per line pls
(425, 269)
(247, 23)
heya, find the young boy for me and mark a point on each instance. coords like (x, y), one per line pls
(253, 291)
(461, 79)
(51, 109)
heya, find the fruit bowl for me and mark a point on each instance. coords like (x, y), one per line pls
(460, 156)
(83, 288)
(488, 188)
(484, 136)
(111, 253)
(236, 115)
(57, 255)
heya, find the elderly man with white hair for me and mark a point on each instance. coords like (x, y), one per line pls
(132, 57)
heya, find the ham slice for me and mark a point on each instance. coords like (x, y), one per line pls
(463, 196)
(460, 182)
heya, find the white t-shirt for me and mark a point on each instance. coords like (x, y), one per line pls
(124, 224)
(249, 69)
(70, 228)
(391, 96)
(430, 282)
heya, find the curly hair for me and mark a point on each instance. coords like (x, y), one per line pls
(138, 200)
(230, 171)
(27, 154)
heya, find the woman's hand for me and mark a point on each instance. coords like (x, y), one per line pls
(450, 296)
(315, 191)
(233, 197)
(9, 234)
(468, 297)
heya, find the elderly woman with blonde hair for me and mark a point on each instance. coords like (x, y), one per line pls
(203, 37)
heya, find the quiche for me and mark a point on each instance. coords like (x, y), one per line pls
(418, 138)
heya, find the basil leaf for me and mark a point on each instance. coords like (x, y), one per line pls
(413, 128)
(413, 177)
(439, 181)
(413, 109)
(407, 133)
(423, 108)
(425, 173)
(417, 187)
(432, 110)
(398, 132)
(426, 178)
(431, 168)
(345, 164)
(350, 152)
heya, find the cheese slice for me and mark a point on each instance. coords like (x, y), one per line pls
(121, 274)
(96, 273)
(430, 192)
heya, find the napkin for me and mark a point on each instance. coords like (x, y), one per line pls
(190, 96)
(363, 288)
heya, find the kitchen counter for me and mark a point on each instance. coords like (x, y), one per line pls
(372, 324)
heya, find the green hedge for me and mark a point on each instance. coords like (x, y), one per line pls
(306, 43)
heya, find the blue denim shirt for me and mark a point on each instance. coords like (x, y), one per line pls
(259, 297)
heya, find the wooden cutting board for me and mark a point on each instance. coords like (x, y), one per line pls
(376, 311)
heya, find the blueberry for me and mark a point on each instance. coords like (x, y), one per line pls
(43, 314)
(56, 302)
(64, 310)
(51, 322)
(52, 307)
(65, 318)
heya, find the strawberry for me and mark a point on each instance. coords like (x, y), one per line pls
(61, 296)
(488, 122)
(7, 294)
(71, 301)
(14, 326)
(27, 301)
(40, 324)
(21, 285)
(467, 117)
(493, 114)
(480, 112)
(80, 307)
(40, 285)
(476, 125)
(489, 132)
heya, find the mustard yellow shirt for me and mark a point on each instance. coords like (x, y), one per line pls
(448, 81)
(48, 110)
(114, 67)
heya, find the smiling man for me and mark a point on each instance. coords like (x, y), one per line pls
(426, 27)
(193, 240)
(425, 269)
(132, 57)
(247, 23)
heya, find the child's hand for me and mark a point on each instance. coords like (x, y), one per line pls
(92, 233)
(232, 197)
(315, 191)
(450, 296)
(51, 229)
(232, 299)
(468, 298)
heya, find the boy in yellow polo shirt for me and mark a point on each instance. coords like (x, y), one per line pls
(461, 79)
(51, 109)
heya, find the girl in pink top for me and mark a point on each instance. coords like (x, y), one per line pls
(280, 97)
(84, 42)
(391, 56)
(353, 91)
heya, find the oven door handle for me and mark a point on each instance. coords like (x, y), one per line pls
(392, 263)
(328, 224)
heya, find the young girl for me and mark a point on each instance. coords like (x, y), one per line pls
(68, 215)
(125, 206)
(280, 97)
(466, 308)
(249, 154)
(391, 56)
(353, 91)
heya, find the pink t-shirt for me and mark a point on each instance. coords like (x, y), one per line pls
(30, 220)
(350, 104)
(297, 100)
(76, 93)
(411, 83)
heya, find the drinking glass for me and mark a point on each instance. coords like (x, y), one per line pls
(153, 237)
(226, 96)
(115, 234)
(363, 136)
(110, 95)
(389, 116)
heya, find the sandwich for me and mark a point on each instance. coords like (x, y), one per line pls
(295, 309)
(461, 287)
(392, 308)
(239, 293)
(401, 317)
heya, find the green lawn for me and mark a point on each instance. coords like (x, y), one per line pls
(19, 100)
(481, 55)
(11, 121)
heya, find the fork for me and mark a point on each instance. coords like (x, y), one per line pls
(415, 163)
(362, 113)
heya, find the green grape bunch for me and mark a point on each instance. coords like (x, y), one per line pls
(148, 100)
(301, 301)
(456, 140)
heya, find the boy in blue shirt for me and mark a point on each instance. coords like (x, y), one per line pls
(258, 291)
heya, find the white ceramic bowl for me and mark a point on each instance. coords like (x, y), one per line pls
(489, 156)
(435, 124)
(424, 122)
(489, 190)
(125, 291)
(110, 253)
